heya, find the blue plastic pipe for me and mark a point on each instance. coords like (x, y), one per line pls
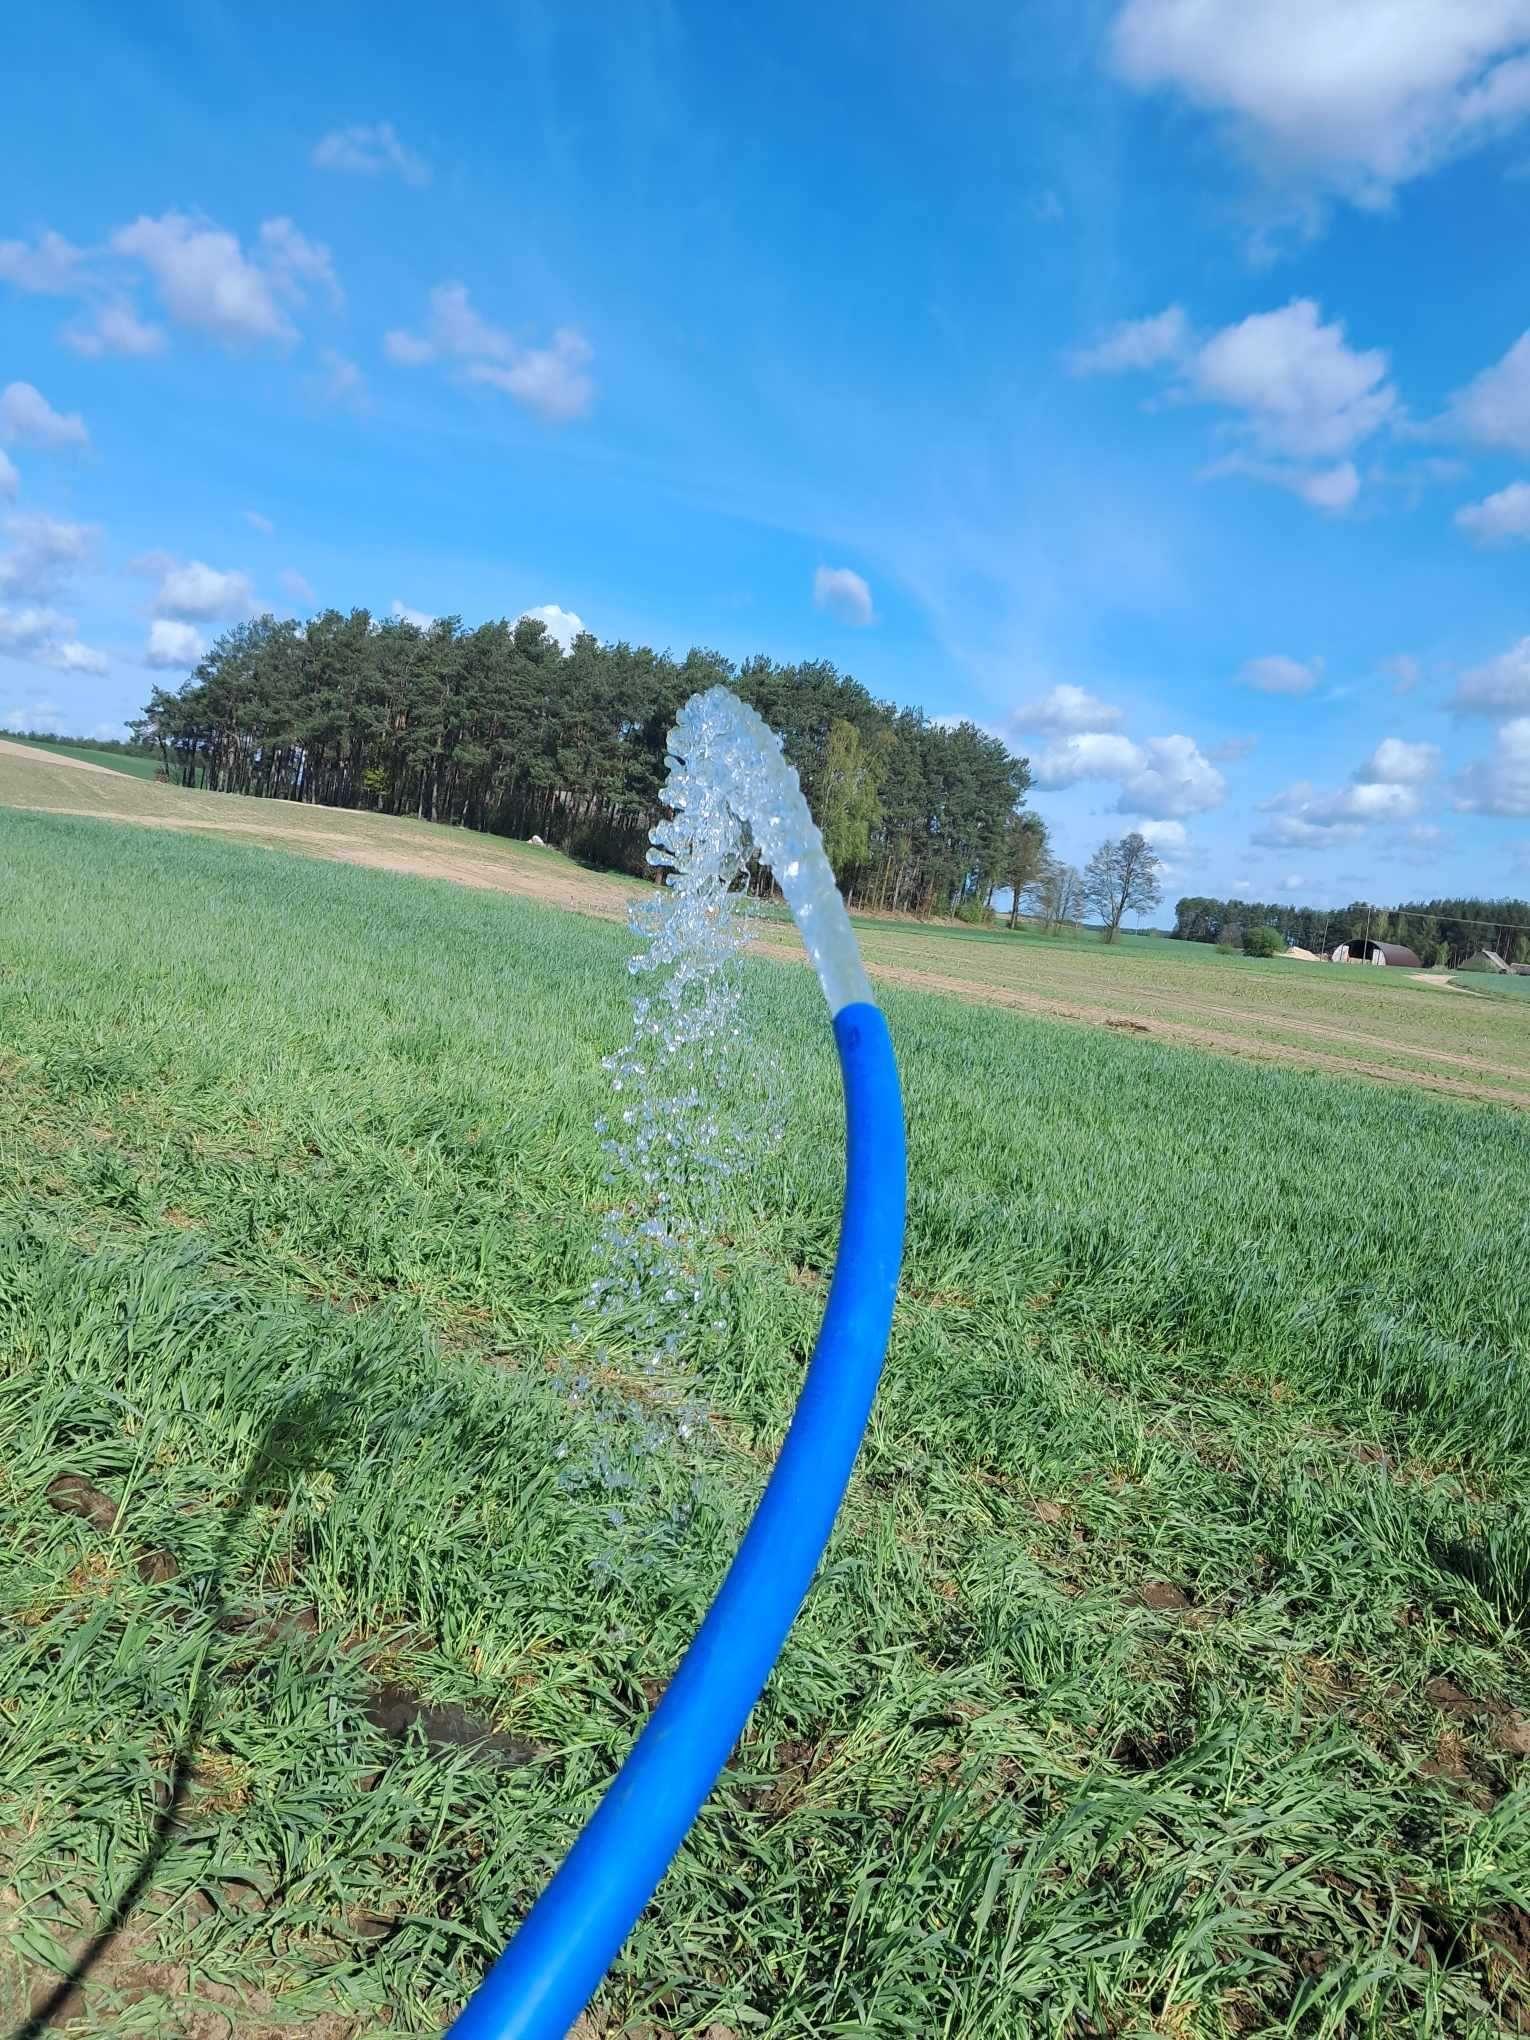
(552, 1968)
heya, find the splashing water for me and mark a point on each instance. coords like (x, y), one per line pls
(693, 1098)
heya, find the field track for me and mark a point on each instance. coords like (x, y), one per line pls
(1379, 1026)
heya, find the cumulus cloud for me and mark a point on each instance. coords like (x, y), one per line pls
(562, 625)
(1066, 708)
(402, 613)
(1175, 777)
(1501, 686)
(1275, 673)
(113, 328)
(10, 477)
(1498, 518)
(197, 592)
(27, 417)
(1494, 407)
(1300, 394)
(1360, 97)
(548, 380)
(1301, 389)
(172, 644)
(49, 266)
(842, 592)
(1160, 780)
(1397, 763)
(44, 638)
(1500, 784)
(1164, 834)
(296, 587)
(551, 381)
(370, 151)
(1088, 754)
(1138, 343)
(44, 552)
(207, 281)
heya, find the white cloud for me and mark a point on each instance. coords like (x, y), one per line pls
(1164, 834)
(10, 477)
(294, 262)
(1302, 390)
(1089, 754)
(844, 594)
(1403, 670)
(1138, 343)
(1499, 785)
(1175, 777)
(562, 624)
(368, 151)
(1494, 407)
(198, 591)
(1401, 764)
(1275, 673)
(258, 523)
(548, 380)
(45, 551)
(172, 644)
(297, 587)
(343, 381)
(408, 349)
(1499, 687)
(51, 266)
(206, 280)
(42, 637)
(1361, 95)
(27, 416)
(402, 613)
(1332, 489)
(1499, 517)
(114, 328)
(1066, 708)
(1231, 749)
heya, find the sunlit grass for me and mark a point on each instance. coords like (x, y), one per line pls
(1200, 1461)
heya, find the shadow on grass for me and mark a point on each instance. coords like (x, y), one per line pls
(298, 1440)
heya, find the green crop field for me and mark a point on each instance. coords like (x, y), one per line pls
(1494, 986)
(1168, 1673)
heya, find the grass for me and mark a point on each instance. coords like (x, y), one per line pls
(1168, 1672)
(138, 765)
(1496, 987)
(1382, 1026)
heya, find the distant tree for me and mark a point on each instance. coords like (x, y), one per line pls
(1263, 941)
(848, 791)
(1122, 877)
(1057, 893)
(1025, 852)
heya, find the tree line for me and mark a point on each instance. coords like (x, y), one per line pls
(497, 728)
(1438, 931)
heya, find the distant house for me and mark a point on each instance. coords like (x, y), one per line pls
(1364, 951)
(1486, 960)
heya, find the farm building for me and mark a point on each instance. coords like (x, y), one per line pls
(1365, 951)
(1487, 960)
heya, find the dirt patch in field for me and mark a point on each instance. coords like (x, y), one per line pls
(1184, 1035)
(33, 757)
(584, 892)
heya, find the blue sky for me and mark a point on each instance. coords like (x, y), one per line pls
(1148, 380)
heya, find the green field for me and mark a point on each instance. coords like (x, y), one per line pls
(1168, 1672)
(138, 764)
(1494, 986)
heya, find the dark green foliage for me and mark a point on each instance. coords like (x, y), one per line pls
(495, 728)
(1263, 941)
(1438, 931)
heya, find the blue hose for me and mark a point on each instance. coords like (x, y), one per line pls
(552, 1968)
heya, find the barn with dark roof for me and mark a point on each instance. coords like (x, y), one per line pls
(1363, 950)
